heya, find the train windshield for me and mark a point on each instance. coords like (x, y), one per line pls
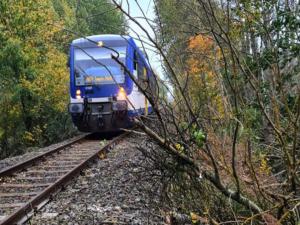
(94, 66)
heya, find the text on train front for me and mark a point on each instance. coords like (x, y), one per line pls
(94, 66)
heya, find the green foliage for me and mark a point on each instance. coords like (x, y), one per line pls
(199, 137)
(244, 58)
(30, 96)
(90, 17)
(103, 142)
(34, 78)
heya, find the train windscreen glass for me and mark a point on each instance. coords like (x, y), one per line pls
(94, 66)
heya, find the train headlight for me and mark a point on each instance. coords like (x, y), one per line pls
(78, 94)
(122, 94)
(100, 44)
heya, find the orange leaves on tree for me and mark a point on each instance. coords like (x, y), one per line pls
(202, 50)
(204, 56)
(201, 43)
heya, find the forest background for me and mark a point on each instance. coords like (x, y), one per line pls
(35, 37)
(229, 138)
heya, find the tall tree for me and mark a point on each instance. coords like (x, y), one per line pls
(90, 17)
(34, 78)
(252, 150)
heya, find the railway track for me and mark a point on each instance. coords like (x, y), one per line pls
(27, 186)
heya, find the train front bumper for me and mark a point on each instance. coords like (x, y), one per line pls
(100, 117)
(100, 107)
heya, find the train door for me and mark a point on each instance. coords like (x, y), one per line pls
(143, 82)
(136, 97)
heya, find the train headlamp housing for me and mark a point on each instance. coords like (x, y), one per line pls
(122, 96)
(100, 44)
(78, 94)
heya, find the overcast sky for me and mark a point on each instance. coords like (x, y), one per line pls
(148, 8)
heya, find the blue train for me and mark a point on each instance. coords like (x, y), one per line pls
(103, 97)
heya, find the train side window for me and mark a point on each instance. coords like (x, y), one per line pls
(135, 61)
(143, 76)
(135, 64)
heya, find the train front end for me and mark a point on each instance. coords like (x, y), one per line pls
(98, 84)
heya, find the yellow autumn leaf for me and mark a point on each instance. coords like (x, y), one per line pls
(194, 217)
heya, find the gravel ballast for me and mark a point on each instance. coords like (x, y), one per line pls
(34, 152)
(109, 192)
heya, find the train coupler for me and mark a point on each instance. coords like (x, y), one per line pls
(100, 121)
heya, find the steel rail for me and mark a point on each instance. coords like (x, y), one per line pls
(23, 165)
(34, 202)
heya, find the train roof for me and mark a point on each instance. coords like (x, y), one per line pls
(108, 39)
